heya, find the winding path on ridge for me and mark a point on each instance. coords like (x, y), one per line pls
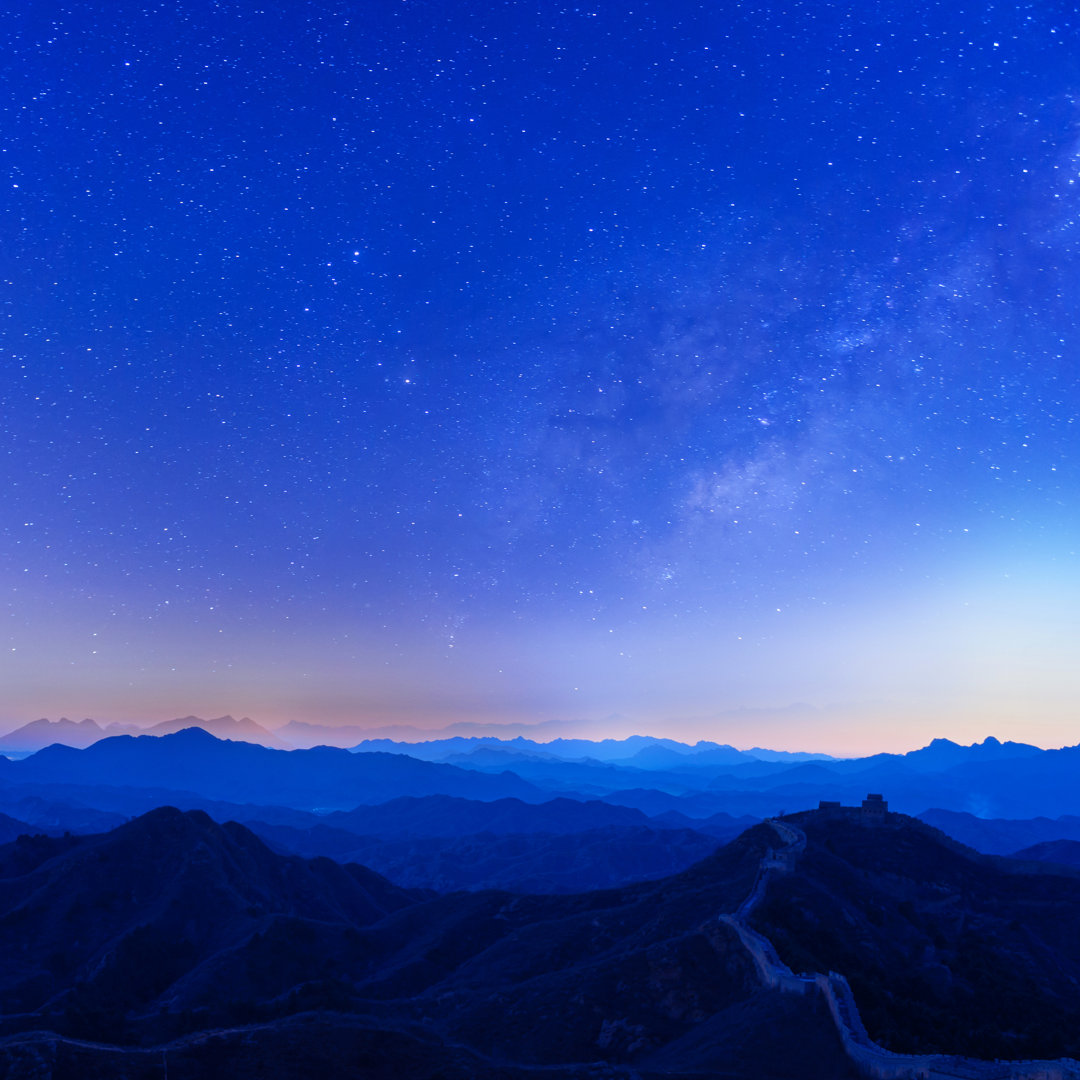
(773, 971)
(868, 1057)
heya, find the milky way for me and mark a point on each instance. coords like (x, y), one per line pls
(705, 369)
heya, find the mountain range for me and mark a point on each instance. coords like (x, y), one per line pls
(641, 751)
(41, 733)
(349, 807)
(172, 926)
(193, 760)
(175, 943)
(946, 951)
(990, 779)
(970, 791)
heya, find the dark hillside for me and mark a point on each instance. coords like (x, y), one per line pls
(946, 950)
(1001, 836)
(1063, 852)
(527, 862)
(174, 932)
(11, 828)
(96, 928)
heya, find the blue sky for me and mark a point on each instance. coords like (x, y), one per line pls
(700, 369)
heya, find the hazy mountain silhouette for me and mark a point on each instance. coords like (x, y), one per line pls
(641, 751)
(1001, 836)
(52, 809)
(433, 841)
(937, 756)
(221, 727)
(571, 750)
(989, 779)
(708, 804)
(11, 828)
(941, 754)
(41, 733)
(587, 777)
(306, 734)
(444, 815)
(449, 843)
(720, 825)
(193, 760)
(597, 858)
(1064, 852)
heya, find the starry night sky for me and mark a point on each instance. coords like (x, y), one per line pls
(698, 369)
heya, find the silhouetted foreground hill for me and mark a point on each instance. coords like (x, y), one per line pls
(93, 928)
(946, 950)
(174, 931)
(174, 941)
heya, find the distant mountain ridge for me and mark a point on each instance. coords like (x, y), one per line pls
(432, 841)
(642, 750)
(1003, 836)
(193, 760)
(41, 733)
(1063, 852)
(534, 862)
(449, 843)
(990, 779)
(647, 753)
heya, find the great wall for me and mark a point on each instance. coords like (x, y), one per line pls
(870, 1059)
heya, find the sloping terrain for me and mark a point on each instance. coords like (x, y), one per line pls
(946, 950)
(521, 862)
(173, 934)
(174, 931)
(443, 815)
(1001, 836)
(1064, 852)
(95, 929)
(11, 828)
(194, 761)
(433, 841)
